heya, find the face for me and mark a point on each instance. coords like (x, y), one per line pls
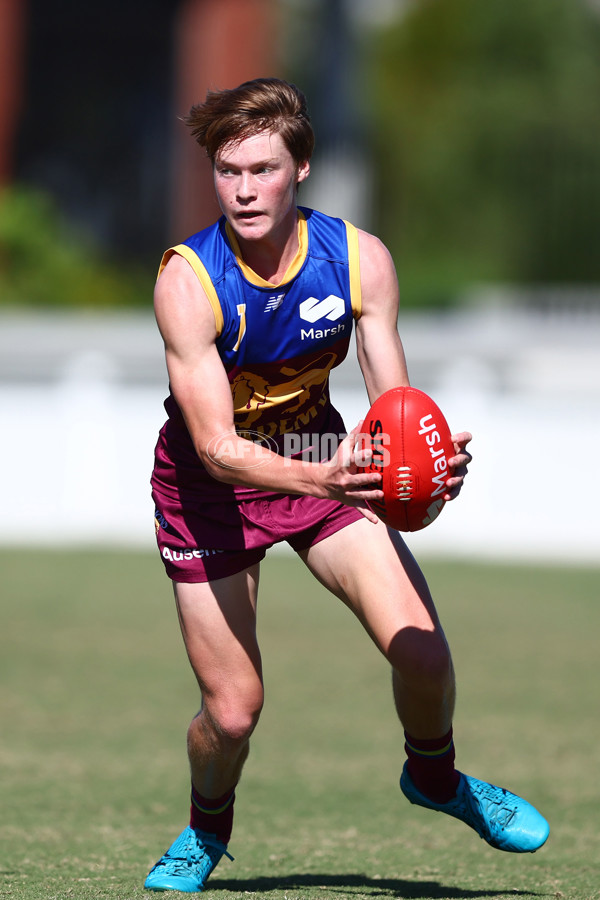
(255, 182)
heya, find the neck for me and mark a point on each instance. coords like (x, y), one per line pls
(271, 257)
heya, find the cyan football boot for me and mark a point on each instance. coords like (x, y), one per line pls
(504, 820)
(187, 863)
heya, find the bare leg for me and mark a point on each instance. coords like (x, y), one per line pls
(218, 623)
(374, 573)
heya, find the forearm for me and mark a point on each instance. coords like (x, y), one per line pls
(383, 364)
(380, 351)
(345, 478)
(232, 459)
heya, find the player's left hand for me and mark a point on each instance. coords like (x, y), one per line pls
(458, 464)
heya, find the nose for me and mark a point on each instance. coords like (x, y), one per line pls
(246, 188)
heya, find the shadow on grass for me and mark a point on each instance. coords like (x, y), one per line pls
(395, 887)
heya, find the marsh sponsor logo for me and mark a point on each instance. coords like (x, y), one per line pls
(312, 310)
(440, 463)
(332, 307)
(438, 482)
(188, 553)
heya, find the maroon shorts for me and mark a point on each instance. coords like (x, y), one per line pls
(206, 541)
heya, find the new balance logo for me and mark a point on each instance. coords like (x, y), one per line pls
(332, 308)
(274, 302)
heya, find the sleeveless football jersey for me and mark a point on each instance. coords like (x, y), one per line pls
(278, 342)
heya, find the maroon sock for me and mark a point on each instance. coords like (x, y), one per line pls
(213, 816)
(431, 766)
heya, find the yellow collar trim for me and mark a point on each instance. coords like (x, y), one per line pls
(293, 268)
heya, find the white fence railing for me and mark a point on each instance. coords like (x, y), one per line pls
(81, 404)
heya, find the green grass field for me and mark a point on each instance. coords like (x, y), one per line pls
(96, 696)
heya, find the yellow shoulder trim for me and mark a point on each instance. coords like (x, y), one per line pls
(203, 277)
(354, 265)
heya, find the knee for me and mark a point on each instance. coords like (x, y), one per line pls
(422, 660)
(233, 716)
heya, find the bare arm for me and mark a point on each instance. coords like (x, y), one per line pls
(380, 351)
(187, 325)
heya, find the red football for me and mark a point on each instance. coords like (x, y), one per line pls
(410, 441)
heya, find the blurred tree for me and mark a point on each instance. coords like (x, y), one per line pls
(46, 261)
(485, 124)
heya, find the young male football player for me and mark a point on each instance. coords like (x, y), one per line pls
(255, 311)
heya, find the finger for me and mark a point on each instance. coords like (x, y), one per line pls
(368, 481)
(459, 463)
(366, 511)
(451, 495)
(461, 439)
(346, 450)
(368, 514)
(353, 434)
(363, 457)
(453, 487)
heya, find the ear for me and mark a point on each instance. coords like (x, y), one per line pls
(303, 171)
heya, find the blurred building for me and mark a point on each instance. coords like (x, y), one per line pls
(91, 98)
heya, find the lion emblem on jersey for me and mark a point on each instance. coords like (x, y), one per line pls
(294, 393)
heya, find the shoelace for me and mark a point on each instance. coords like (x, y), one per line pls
(205, 844)
(496, 808)
(216, 845)
(197, 853)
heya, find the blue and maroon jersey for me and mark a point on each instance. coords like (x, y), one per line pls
(278, 342)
